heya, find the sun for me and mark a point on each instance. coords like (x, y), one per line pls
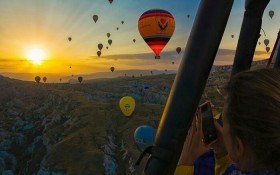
(36, 56)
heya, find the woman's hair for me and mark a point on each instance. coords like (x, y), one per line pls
(253, 113)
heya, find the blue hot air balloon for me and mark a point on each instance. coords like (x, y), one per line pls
(144, 136)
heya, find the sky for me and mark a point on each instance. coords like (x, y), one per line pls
(47, 24)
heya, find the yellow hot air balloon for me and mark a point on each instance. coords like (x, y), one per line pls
(127, 105)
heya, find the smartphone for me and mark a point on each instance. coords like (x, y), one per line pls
(208, 127)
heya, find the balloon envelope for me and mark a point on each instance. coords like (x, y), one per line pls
(266, 42)
(127, 105)
(37, 79)
(100, 46)
(95, 18)
(112, 69)
(156, 27)
(178, 50)
(271, 14)
(99, 53)
(108, 35)
(134, 40)
(144, 136)
(110, 42)
(110, 1)
(267, 49)
(80, 79)
(45, 79)
(69, 39)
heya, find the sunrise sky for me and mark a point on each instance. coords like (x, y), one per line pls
(43, 27)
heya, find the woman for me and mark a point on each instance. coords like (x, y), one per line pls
(250, 136)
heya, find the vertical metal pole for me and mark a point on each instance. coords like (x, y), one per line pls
(249, 35)
(189, 84)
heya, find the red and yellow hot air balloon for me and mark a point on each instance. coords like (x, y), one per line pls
(156, 27)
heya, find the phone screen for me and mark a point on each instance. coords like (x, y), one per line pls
(208, 127)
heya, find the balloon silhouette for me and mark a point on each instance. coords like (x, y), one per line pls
(267, 49)
(112, 69)
(144, 137)
(100, 46)
(38, 79)
(117, 28)
(107, 47)
(271, 13)
(95, 18)
(156, 27)
(188, 16)
(80, 79)
(178, 50)
(69, 39)
(108, 35)
(44, 79)
(110, 42)
(134, 40)
(260, 43)
(232, 36)
(266, 42)
(99, 53)
(122, 22)
(127, 105)
(110, 1)
(173, 62)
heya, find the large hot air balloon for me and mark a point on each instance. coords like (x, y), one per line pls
(267, 49)
(271, 13)
(134, 40)
(110, 1)
(38, 79)
(127, 105)
(178, 50)
(80, 79)
(69, 39)
(144, 137)
(108, 35)
(156, 27)
(110, 42)
(44, 79)
(95, 18)
(266, 42)
(99, 53)
(112, 69)
(100, 46)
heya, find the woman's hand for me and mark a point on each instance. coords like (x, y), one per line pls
(193, 146)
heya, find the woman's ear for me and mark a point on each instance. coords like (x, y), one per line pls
(239, 148)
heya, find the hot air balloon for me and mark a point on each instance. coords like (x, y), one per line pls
(60, 79)
(108, 35)
(95, 18)
(100, 46)
(134, 40)
(156, 27)
(178, 50)
(144, 137)
(117, 28)
(122, 22)
(260, 43)
(271, 13)
(110, 42)
(173, 62)
(266, 42)
(107, 47)
(69, 39)
(267, 49)
(112, 69)
(70, 67)
(189, 16)
(232, 36)
(80, 79)
(127, 105)
(38, 79)
(110, 1)
(45, 79)
(99, 53)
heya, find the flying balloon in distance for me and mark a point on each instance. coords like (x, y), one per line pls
(134, 40)
(110, 1)
(117, 28)
(156, 27)
(80, 79)
(112, 69)
(107, 47)
(271, 13)
(260, 43)
(98, 53)
(100, 46)
(95, 18)
(267, 49)
(173, 62)
(108, 35)
(38, 79)
(188, 16)
(69, 39)
(178, 50)
(127, 105)
(266, 42)
(110, 42)
(144, 137)
(122, 22)
(232, 36)
(44, 79)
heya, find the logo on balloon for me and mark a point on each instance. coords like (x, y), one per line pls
(163, 24)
